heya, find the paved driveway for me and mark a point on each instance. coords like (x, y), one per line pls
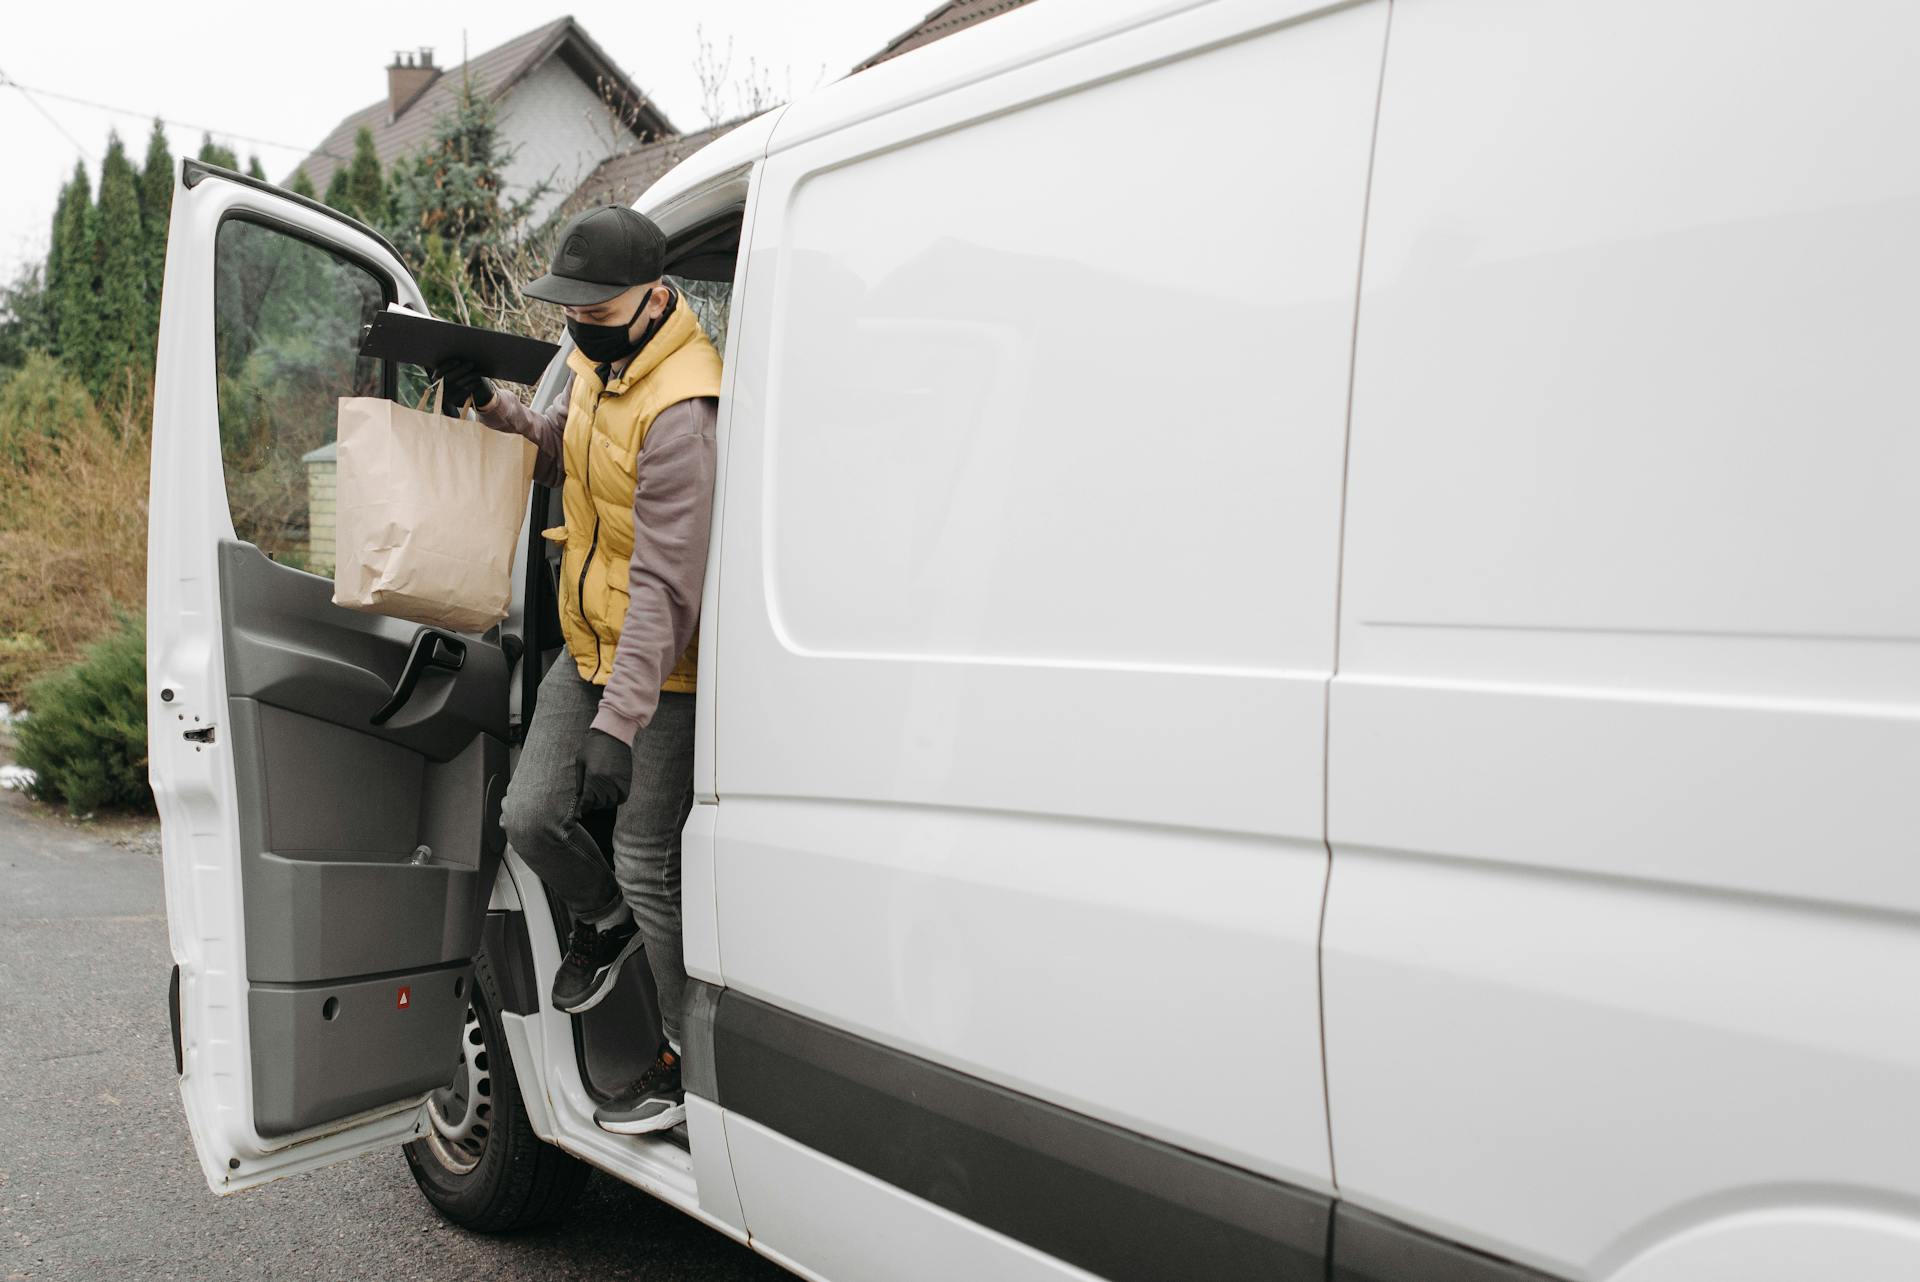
(97, 1178)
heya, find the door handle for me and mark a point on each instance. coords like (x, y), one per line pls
(431, 648)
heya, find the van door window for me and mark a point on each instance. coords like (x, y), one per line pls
(287, 318)
(712, 302)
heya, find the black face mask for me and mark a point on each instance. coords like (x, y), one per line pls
(605, 344)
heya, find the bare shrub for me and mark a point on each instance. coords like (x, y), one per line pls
(73, 537)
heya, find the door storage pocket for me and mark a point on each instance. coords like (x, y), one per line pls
(356, 914)
(326, 1051)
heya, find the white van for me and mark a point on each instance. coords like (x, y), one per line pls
(1310, 669)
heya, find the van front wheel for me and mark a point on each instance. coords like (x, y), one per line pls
(481, 1165)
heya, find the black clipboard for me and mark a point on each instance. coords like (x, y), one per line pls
(421, 340)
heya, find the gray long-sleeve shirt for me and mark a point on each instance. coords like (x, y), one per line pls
(672, 521)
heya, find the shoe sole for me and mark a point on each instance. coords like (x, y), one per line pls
(647, 1125)
(604, 981)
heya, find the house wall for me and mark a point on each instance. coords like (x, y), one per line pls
(561, 131)
(320, 515)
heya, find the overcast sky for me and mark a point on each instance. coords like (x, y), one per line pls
(286, 73)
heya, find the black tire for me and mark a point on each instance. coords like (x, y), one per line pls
(520, 1181)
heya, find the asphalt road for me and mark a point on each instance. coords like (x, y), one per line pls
(97, 1175)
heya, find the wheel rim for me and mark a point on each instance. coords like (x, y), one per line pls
(462, 1110)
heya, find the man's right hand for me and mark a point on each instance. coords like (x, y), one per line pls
(463, 384)
(603, 771)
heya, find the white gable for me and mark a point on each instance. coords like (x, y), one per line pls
(559, 129)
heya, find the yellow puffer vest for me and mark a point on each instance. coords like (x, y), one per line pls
(606, 428)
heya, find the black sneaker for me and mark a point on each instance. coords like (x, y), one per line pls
(653, 1103)
(592, 965)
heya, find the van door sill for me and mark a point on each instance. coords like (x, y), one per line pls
(657, 1164)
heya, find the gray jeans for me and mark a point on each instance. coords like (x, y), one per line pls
(537, 814)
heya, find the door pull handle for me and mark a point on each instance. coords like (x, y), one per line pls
(431, 648)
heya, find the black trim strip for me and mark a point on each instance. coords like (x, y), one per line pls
(193, 171)
(503, 938)
(1373, 1248)
(1122, 1205)
(173, 1018)
(337, 981)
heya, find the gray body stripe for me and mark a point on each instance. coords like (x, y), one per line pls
(1118, 1204)
(1373, 1248)
(1095, 1195)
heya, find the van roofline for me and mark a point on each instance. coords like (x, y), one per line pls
(1029, 34)
(731, 151)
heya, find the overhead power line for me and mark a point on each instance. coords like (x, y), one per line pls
(28, 92)
(33, 102)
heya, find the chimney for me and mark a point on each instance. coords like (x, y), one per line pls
(408, 78)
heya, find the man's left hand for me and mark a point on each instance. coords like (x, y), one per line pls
(461, 383)
(604, 769)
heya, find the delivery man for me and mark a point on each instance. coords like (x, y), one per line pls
(633, 453)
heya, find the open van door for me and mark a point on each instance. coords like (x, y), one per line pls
(328, 781)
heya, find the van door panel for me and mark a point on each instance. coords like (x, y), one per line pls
(1625, 736)
(1028, 574)
(332, 812)
(288, 645)
(326, 877)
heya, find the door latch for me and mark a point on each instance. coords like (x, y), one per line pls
(203, 735)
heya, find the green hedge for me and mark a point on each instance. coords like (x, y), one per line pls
(86, 736)
(41, 398)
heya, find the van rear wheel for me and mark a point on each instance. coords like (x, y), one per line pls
(481, 1165)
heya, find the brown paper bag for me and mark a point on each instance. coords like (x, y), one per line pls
(429, 512)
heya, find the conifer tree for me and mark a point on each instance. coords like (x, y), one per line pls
(156, 207)
(301, 184)
(451, 217)
(255, 169)
(26, 319)
(74, 292)
(124, 302)
(53, 278)
(213, 153)
(366, 189)
(337, 191)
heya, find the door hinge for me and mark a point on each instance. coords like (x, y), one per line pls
(203, 735)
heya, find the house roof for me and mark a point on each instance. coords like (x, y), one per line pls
(621, 179)
(492, 73)
(941, 22)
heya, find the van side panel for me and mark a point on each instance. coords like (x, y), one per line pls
(1624, 914)
(1029, 576)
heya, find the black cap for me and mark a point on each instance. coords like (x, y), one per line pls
(601, 253)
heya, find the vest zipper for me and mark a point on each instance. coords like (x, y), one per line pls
(593, 545)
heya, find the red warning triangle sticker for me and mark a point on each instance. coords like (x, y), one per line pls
(406, 997)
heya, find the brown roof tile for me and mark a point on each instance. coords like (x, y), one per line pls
(943, 21)
(622, 178)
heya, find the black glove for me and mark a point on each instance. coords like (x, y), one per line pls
(463, 384)
(604, 772)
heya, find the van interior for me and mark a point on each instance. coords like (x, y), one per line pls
(616, 1040)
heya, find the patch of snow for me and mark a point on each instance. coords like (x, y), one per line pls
(145, 841)
(16, 777)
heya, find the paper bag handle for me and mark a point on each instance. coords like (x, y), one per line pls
(436, 389)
